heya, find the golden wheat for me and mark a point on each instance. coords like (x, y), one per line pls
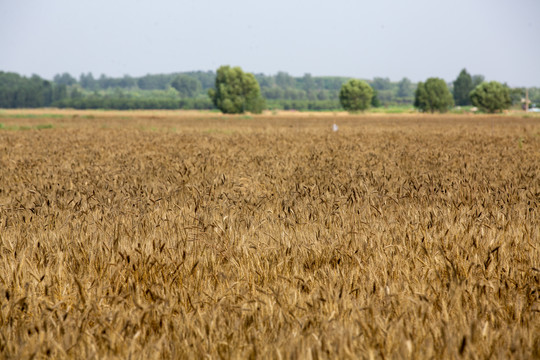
(169, 235)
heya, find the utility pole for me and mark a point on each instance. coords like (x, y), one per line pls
(526, 100)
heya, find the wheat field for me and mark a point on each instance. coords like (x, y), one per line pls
(157, 235)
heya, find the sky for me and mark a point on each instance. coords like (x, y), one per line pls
(416, 39)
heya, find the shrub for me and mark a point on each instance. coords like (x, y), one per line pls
(355, 95)
(433, 95)
(491, 97)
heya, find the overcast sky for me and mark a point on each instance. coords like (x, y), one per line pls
(388, 38)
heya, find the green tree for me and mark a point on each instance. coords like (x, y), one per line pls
(380, 83)
(516, 95)
(308, 84)
(477, 80)
(491, 96)
(76, 93)
(375, 102)
(355, 95)
(265, 81)
(127, 82)
(273, 93)
(64, 79)
(322, 95)
(88, 82)
(534, 96)
(154, 82)
(187, 86)
(59, 92)
(433, 95)
(236, 92)
(385, 90)
(284, 80)
(405, 88)
(21, 92)
(463, 85)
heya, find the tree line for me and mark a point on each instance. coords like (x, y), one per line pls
(190, 90)
(20, 92)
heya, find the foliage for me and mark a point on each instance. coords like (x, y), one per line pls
(236, 92)
(21, 92)
(491, 97)
(516, 95)
(433, 95)
(380, 83)
(304, 105)
(283, 91)
(64, 79)
(405, 88)
(130, 103)
(187, 86)
(87, 81)
(355, 95)
(126, 82)
(152, 82)
(307, 83)
(385, 91)
(375, 99)
(534, 96)
(284, 80)
(477, 80)
(463, 85)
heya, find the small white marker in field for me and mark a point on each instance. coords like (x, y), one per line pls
(335, 128)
